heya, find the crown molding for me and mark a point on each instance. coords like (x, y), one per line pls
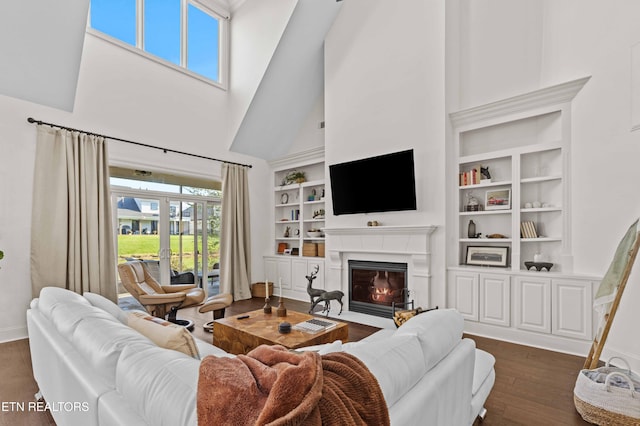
(552, 95)
(309, 156)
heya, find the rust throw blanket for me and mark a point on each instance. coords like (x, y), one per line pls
(273, 386)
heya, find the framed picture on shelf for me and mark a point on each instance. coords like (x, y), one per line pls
(488, 256)
(497, 199)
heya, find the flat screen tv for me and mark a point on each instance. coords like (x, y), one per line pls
(377, 184)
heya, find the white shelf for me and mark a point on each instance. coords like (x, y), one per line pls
(485, 240)
(293, 186)
(319, 182)
(485, 212)
(313, 220)
(314, 202)
(485, 185)
(540, 179)
(541, 209)
(540, 239)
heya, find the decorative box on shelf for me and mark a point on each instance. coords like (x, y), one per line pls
(310, 249)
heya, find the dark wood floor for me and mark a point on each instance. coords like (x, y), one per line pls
(533, 386)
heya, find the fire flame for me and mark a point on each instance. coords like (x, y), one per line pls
(381, 294)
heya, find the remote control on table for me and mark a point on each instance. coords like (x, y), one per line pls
(243, 316)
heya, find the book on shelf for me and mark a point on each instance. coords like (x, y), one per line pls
(528, 229)
(470, 177)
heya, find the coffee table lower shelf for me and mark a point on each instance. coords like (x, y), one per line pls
(240, 336)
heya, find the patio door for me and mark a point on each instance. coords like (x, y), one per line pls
(174, 234)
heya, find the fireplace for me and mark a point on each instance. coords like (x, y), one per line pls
(375, 286)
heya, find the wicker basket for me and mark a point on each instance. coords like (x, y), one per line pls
(259, 289)
(321, 249)
(608, 396)
(310, 249)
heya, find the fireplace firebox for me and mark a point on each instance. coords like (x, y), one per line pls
(375, 286)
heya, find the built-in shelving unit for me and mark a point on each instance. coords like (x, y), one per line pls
(525, 143)
(300, 211)
(298, 207)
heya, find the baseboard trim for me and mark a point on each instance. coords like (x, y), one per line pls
(10, 334)
(537, 340)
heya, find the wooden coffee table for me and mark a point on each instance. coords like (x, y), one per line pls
(239, 336)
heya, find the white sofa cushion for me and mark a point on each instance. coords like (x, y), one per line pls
(100, 342)
(397, 363)
(439, 331)
(106, 305)
(160, 384)
(67, 316)
(52, 296)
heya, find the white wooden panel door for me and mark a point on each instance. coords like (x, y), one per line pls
(271, 270)
(464, 293)
(572, 312)
(495, 299)
(532, 304)
(284, 275)
(298, 273)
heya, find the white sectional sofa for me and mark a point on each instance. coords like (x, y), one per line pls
(96, 370)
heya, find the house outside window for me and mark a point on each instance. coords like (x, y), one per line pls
(181, 34)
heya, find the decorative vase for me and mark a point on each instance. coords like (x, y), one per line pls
(471, 231)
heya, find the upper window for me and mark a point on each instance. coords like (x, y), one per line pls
(180, 33)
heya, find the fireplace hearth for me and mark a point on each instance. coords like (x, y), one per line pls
(375, 286)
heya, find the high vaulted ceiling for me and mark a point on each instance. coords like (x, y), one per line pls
(44, 66)
(41, 51)
(291, 85)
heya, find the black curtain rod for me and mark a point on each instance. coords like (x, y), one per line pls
(33, 120)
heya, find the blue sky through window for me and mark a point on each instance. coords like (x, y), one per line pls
(162, 29)
(203, 43)
(116, 18)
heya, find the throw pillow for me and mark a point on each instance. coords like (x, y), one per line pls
(164, 333)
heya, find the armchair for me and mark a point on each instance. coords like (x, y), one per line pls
(158, 299)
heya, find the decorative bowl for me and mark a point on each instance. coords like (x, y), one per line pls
(314, 234)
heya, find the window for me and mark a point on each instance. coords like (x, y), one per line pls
(172, 226)
(179, 33)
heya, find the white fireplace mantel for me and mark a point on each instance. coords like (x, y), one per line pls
(374, 230)
(404, 243)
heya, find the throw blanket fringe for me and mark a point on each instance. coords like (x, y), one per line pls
(273, 386)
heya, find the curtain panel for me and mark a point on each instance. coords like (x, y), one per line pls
(235, 233)
(72, 242)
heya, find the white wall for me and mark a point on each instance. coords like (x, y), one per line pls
(384, 92)
(123, 95)
(500, 49)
